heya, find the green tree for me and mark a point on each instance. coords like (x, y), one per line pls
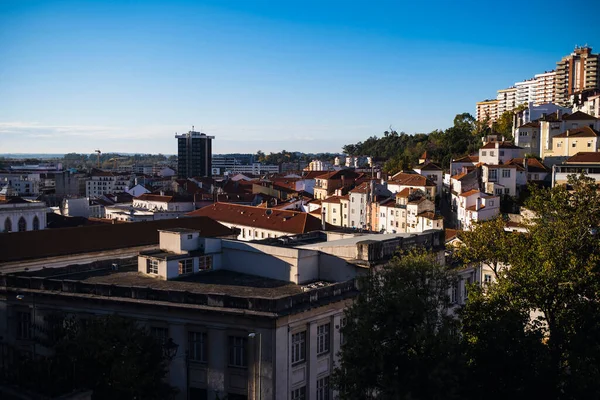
(554, 284)
(503, 126)
(400, 342)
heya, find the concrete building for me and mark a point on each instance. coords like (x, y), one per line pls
(248, 320)
(507, 100)
(103, 182)
(584, 162)
(545, 88)
(576, 72)
(574, 141)
(326, 184)
(495, 153)
(500, 180)
(476, 206)
(526, 92)
(20, 215)
(591, 106)
(407, 180)
(318, 165)
(24, 184)
(194, 155)
(70, 183)
(487, 109)
(335, 211)
(360, 199)
(555, 124)
(431, 171)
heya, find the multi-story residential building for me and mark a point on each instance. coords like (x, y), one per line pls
(20, 215)
(487, 110)
(507, 99)
(103, 182)
(70, 183)
(408, 212)
(554, 124)
(431, 171)
(476, 206)
(499, 179)
(576, 72)
(584, 162)
(319, 165)
(545, 91)
(527, 136)
(360, 199)
(495, 153)
(326, 184)
(457, 165)
(334, 210)
(533, 113)
(591, 106)
(574, 141)
(194, 155)
(404, 180)
(529, 170)
(25, 184)
(526, 92)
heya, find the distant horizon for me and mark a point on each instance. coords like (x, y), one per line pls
(261, 75)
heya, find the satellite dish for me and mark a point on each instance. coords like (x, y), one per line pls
(268, 211)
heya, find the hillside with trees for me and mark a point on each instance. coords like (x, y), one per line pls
(402, 150)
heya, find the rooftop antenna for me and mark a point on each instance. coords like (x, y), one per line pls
(192, 128)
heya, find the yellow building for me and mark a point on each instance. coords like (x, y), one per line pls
(574, 141)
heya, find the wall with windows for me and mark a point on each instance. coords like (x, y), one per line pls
(23, 217)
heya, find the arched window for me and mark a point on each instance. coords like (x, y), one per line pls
(7, 225)
(36, 223)
(22, 225)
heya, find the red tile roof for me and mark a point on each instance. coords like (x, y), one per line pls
(458, 177)
(586, 131)
(293, 222)
(403, 193)
(428, 166)
(533, 164)
(470, 158)
(411, 180)
(584, 157)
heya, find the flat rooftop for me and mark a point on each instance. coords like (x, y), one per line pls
(353, 241)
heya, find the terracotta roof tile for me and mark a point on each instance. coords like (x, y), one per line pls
(502, 145)
(470, 193)
(584, 157)
(586, 131)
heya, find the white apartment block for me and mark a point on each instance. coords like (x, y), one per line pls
(476, 206)
(507, 100)
(102, 182)
(525, 91)
(499, 179)
(495, 153)
(20, 215)
(545, 91)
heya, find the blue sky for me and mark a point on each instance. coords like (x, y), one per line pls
(271, 75)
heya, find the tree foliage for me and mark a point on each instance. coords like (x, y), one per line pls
(402, 150)
(400, 341)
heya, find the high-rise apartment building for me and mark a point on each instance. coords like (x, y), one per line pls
(194, 152)
(545, 88)
(506, 99)
(487, 109)
(576, 72)
(525, 91)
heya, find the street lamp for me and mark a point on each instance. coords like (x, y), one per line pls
(252, 335)
(170, 349)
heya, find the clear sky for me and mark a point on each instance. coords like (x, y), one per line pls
(308, 75)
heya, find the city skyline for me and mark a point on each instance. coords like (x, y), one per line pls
(307, 76)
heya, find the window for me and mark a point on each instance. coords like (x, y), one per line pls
(559, 144)
(589, 144)
(506, 173)
(323, 388)
(22, 225)
(186, 266)
(334, 221)
(298, 347)
(151, 266)
(322, 339)
(197, 346)
(243, 233)
(483, 153)
(204, 263)
(190, 236)
(343, 323)
(237, 351)
(23, 325)
(487, 279)
(491, 203)
(160, 334)
(299, 394)
(574, 144)
(501, 152)
(491, 154)
(492, 174)
(262, 235)
(454, 294)
(7, 225)
(36, 223)
(506, 191)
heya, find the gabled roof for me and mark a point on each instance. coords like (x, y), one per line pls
(586, 131)
(333, 199)
(533, 164)
(405, 179)
(584, 157)
(345, 173)
(428, 166)
(458, 177)
(532, 124)
(430, 215)
(579, 116)
(312, 174)
(469, 158)
(501, 145)
(286, 221)
(403, 193)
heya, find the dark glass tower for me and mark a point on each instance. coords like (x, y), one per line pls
(194, 155)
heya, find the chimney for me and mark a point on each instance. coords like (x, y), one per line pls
(162, 192)
(323, 218)
(525, 165)
(497, 144)
(568, 132)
